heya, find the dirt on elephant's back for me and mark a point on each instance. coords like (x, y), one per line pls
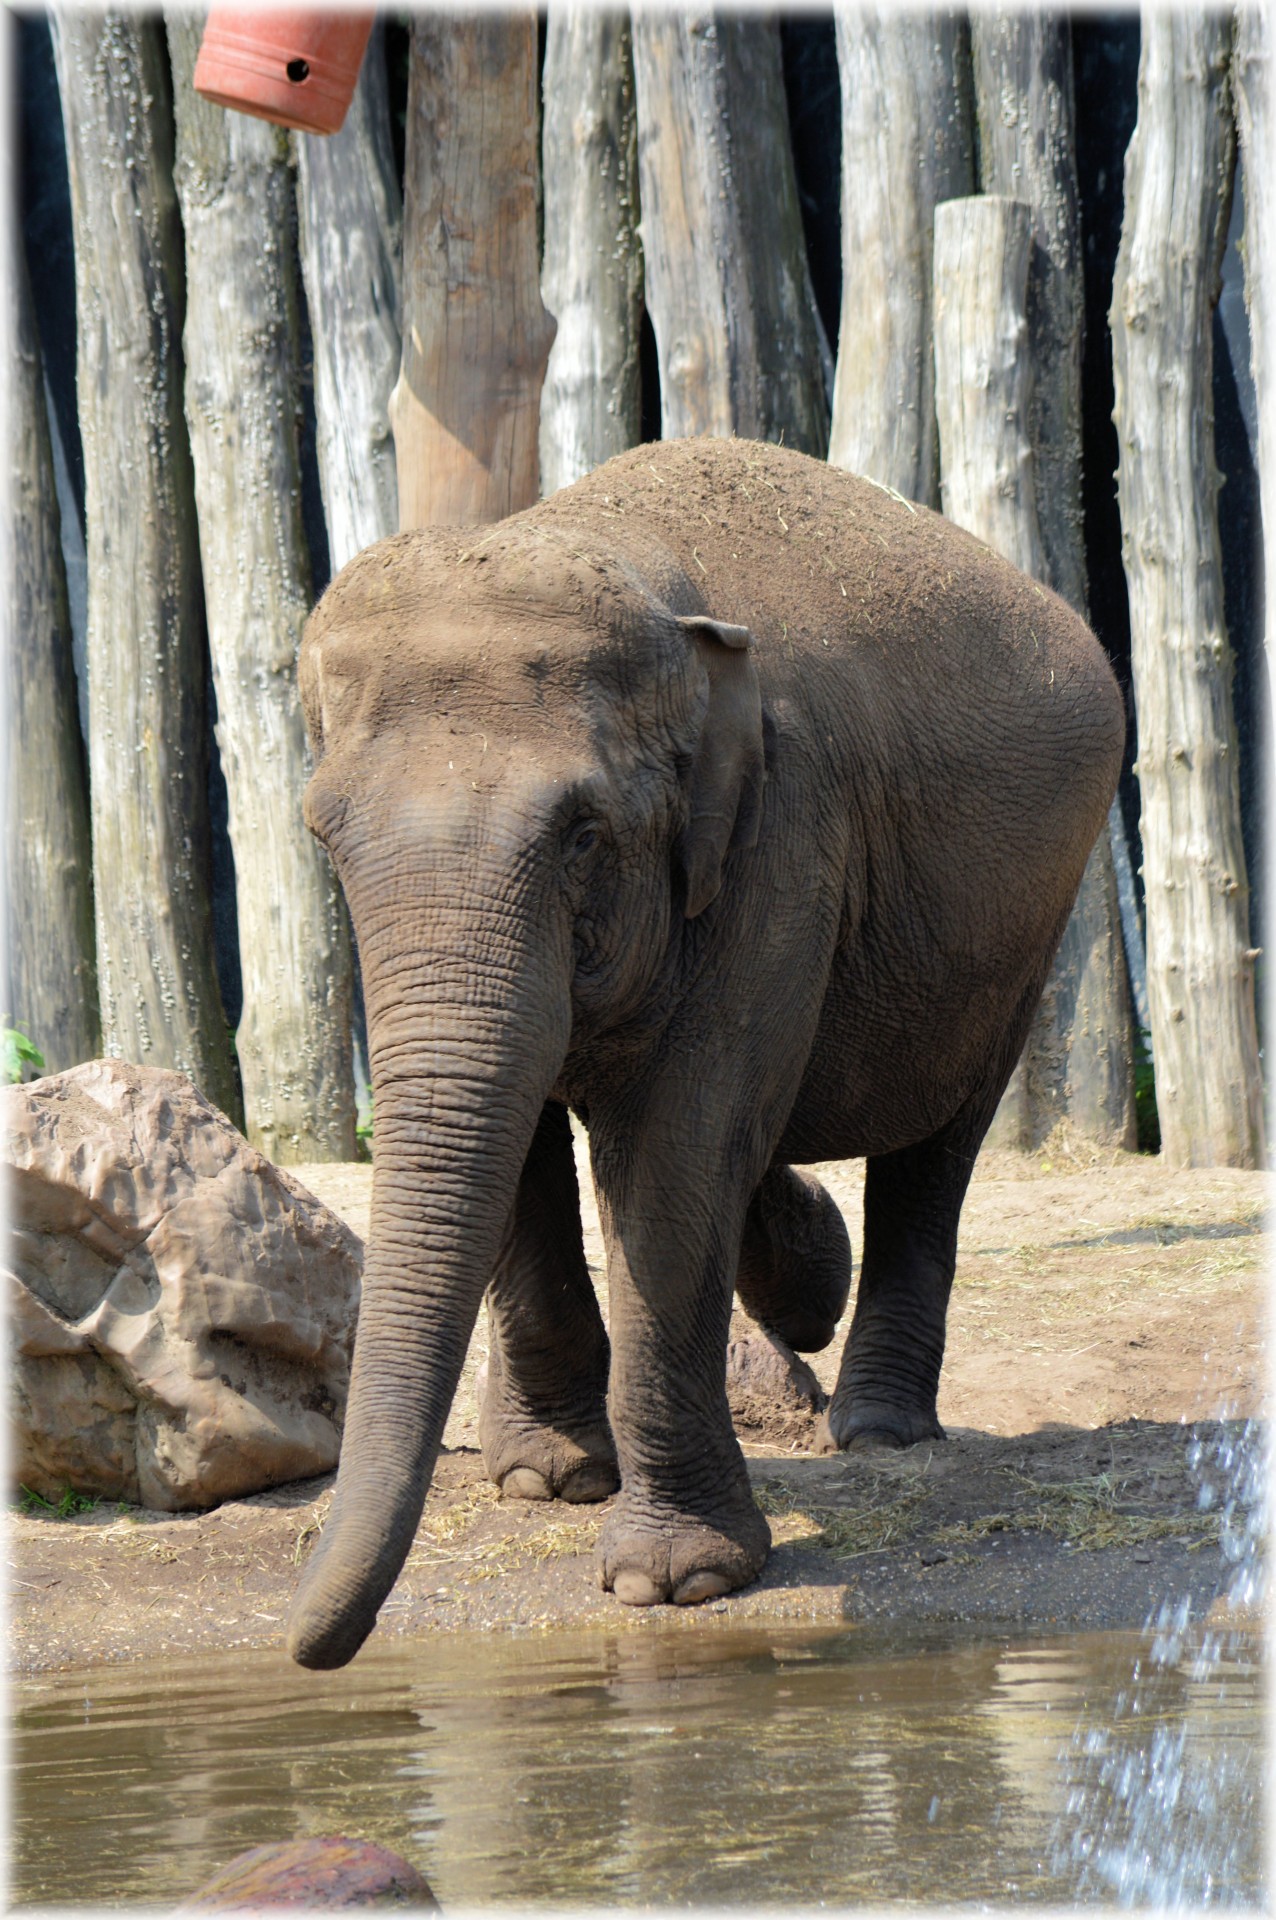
(1107, 1323)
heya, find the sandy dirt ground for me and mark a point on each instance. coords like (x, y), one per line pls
(1106, 1345)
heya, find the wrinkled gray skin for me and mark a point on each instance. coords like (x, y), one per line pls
(739, 807)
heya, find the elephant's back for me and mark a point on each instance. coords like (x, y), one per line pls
(744, 517)
(859, 599)
(939, 717)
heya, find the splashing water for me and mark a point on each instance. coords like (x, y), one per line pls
(1159, 1815)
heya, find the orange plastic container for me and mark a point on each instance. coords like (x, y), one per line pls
(297, 66)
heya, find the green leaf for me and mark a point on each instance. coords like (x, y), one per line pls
(20, 1052)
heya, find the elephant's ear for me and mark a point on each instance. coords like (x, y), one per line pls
(727, 770)
(309, 687)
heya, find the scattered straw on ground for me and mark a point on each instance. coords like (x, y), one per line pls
(1086, 1516)
(880, 1523)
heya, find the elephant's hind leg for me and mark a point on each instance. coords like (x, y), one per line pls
(888, 1382)
(543, 1422)
(794, 1275)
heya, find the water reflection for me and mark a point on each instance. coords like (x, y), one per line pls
(652, 1765)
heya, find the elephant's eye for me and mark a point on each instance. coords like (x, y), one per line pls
(582, 840)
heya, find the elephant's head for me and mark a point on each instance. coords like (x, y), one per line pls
(530, 771)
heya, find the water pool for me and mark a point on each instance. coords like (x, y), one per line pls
(654, 1765)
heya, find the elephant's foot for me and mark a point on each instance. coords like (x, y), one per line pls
(794, 1274)
(647, 1556)
(565, 1457)
(844, 1428)
(591, 1480)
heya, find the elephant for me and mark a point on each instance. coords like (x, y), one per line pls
(736, 805)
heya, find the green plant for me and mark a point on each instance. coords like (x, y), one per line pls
(65, 1507)
(20, 1052)
(1146, 1118)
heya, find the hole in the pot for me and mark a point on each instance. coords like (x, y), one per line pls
(298, 69)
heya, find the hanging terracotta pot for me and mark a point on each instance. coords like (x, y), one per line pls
(296, 66)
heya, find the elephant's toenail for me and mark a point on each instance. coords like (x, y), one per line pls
(705, 1585)
(637, 1590)
(524, 1483)
(589, 1483)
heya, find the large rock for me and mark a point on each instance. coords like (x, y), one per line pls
(317, 1875)
(181, 1311)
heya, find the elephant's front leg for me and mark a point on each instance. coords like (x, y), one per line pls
(543, 1422)
(685, 1527)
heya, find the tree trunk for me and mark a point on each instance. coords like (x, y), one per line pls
(907, 145)
(351, 242)
(592, 277)
(1027, 149)
(51, 990)
(983, 383)
(1252, 71)
(241, 345)
(1178, 176)
(741, 346)
(147, 742)
(983, 373)
(982, 247)
(466, 407)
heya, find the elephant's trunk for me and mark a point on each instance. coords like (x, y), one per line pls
(459, 1083)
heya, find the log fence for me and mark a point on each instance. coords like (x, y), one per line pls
(476, 316)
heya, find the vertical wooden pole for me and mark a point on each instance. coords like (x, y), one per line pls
(729, 291)
(1027, 148)
(51, 991)
(147, 741)
(591, 406)
(983, 388)
(466, 406)
(351, 217)
(1178, 175)
(241, 351)
(907, 145)
(1252, 69)
(983, 373)
(981, 252)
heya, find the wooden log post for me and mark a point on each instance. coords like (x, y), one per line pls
(982, 248)
(1252, 70)
(351, 240)
(466, 406)
(907, 145)
(148, 755)
(241, 345)
(1024, 103)
(591, 406)
(741, 346)
(1027, 148)
(1178, 175)
(51, 990)
(983, 373)
(981, 251)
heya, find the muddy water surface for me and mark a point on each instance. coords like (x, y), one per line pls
(659, 1765)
